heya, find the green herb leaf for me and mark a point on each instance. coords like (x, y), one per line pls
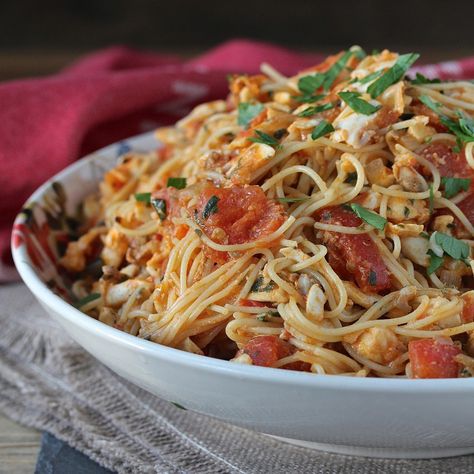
(353, 100)
(351, 177)
(308, 98)
(178, 183)
(370, 77)
(262, 137)
(334, 71)
(372, 278)
(210, 207)
(420, 79)
(466, 123)
(453, 186)
(143, 197)
(455, 248)
(429, 102)
(372, 218)
(425, 235)
(315, 110)
(323, 128)
(160, 207)
(258, 285)
(359, 53)
(308, 84)
(435, 262)
(301, 199)
(431, 199)
(392, 75)
(247, 112)
(87, 299)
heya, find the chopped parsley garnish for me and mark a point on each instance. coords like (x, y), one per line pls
(262, 318)
(406, 212)
(87, 299)
(453, 247)
(178, 183)
(323, 128)
(372, 278)
(308, 98)
(258, 285)
(353, 100)
(309, 84)
(143, 197)
(453, 186)
(372, 218)
(351, 177)
(247, 112)
(315, 110)
(462, 128)
(425, 235)
(262, 137)
(210, 207)
(334, 71)
(435, 262)
(392, 75)
(420, 79)
(160, 207)
(301, 199)
(370, 77)
(431, 199)
(430, 103)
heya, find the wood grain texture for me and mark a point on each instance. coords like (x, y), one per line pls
(19, 447)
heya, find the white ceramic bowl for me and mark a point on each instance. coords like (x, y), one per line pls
(375, 417)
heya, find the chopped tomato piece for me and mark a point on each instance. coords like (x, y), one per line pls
(252, 303)
(265, 351)
(418, 108)
(467, 207)
(433, 358)
(468, 307)
(449, 163)
(354, 254)
(238, 214)
(385, 117)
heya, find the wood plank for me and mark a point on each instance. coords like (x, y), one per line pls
(19, 447)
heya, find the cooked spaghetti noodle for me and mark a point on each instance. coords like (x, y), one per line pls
(321, 222)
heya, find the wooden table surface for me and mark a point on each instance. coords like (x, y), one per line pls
(19, 447)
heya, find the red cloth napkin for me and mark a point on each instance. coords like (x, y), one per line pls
(47, 123)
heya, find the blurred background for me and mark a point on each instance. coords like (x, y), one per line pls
(40, 37)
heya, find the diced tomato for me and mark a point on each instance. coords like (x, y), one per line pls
(385, 117)
(468, 307)
(252, 303)
(418, 108)
(181, 231)
(467, 207)
(242, 213)
(449, 163)
(433, 359)
(354, 254)
(265, 351)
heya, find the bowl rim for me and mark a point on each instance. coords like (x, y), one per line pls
(180, 357)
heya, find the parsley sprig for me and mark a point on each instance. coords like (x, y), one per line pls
(247, 112)
(323, 128)
(308, 112)
(178, 183)
(265, 138)
(372, 218)
(421, 79)
(353, 100)
(392, 75)
(453, 186)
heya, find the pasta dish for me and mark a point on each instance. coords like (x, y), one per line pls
(321, 223)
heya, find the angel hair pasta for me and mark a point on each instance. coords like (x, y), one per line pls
(320, 223)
